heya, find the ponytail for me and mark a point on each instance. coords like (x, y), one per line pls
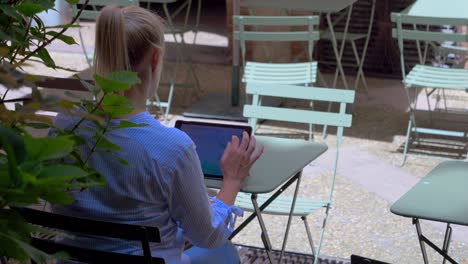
(111, 44)
(123, 36)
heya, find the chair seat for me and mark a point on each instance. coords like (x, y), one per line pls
(340, 36)
(437, 77)
(281, 205)
(280, 73)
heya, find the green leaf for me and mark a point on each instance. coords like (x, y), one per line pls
(128, 124)
(31, 167)
(119, 159)
(9, 137)
(72, 95)
(63, 26)
(92, 88)
(48, 148)
(125, 77)
(73, 2)
(44, 55)
(5, 36)
(117, 81)
(29, 9)
(62, 170)
(116, 105)
(10, 11)
(104, 143)
(28, 250)
(67, 39)
(38, 125)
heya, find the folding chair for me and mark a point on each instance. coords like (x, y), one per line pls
(352, 38)
(144, 234)
(277, 29)
(428, 77)
(282, 204)
(182, 51)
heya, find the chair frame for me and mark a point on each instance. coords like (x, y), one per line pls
(340, 120)
(359, 59)
(427, 77)
(144, 234)
(301, 74)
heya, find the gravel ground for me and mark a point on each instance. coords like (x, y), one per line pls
(360, 221)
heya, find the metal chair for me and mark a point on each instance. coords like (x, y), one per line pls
(143, 234)
(352, 38)
(423, 75)
(182, 53)
(282, 204)
(278, 29)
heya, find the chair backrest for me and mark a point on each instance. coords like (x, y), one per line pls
(276, 29)
(281, 73)
(339, 119)
(418, 29)
(144, 234)
(94, 6)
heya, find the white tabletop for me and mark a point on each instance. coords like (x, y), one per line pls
(281, 160)
(324, 6)
(439, 8)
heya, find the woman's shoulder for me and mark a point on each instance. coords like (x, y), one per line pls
(160, 139)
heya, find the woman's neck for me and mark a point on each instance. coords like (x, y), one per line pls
(137, 95)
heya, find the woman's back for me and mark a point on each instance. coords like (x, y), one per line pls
(139, 192)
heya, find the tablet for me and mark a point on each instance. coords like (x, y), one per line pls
(211, 140)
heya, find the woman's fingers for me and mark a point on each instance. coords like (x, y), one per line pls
(252, 145)
(257, 155)
(235, 142)
(226, 151)
(245, 141)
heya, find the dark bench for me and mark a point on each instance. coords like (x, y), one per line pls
(144, 234)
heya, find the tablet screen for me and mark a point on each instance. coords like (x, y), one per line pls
(211, 140)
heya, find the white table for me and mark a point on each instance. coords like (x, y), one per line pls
(280, 165)
(321, 6)
(439, 196)
(439, 8)
(282, 159)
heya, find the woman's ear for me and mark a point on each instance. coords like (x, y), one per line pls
(154, 61)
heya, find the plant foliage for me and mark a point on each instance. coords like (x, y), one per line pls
(46, 169)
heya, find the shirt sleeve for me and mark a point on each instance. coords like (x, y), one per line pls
(203, 221)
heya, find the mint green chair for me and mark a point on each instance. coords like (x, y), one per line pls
(352, 38)
(424, 75)
(269, 29)
(282, 204)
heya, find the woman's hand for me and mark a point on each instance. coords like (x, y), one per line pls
(236, 162)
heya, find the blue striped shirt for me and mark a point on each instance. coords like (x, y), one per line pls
(162, 186)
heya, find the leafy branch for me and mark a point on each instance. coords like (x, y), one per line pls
(48, 41)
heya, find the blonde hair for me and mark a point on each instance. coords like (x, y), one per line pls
(124, 36)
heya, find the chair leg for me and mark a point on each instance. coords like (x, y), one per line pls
(181, 54)
(360, 73)
(293, 205)
(265, 237)
(324, 132)
(407, 141)
(88, 60)
(322, 232)
(309, 234)
(169, 102)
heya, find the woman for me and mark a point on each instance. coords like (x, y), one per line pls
(163, 184)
